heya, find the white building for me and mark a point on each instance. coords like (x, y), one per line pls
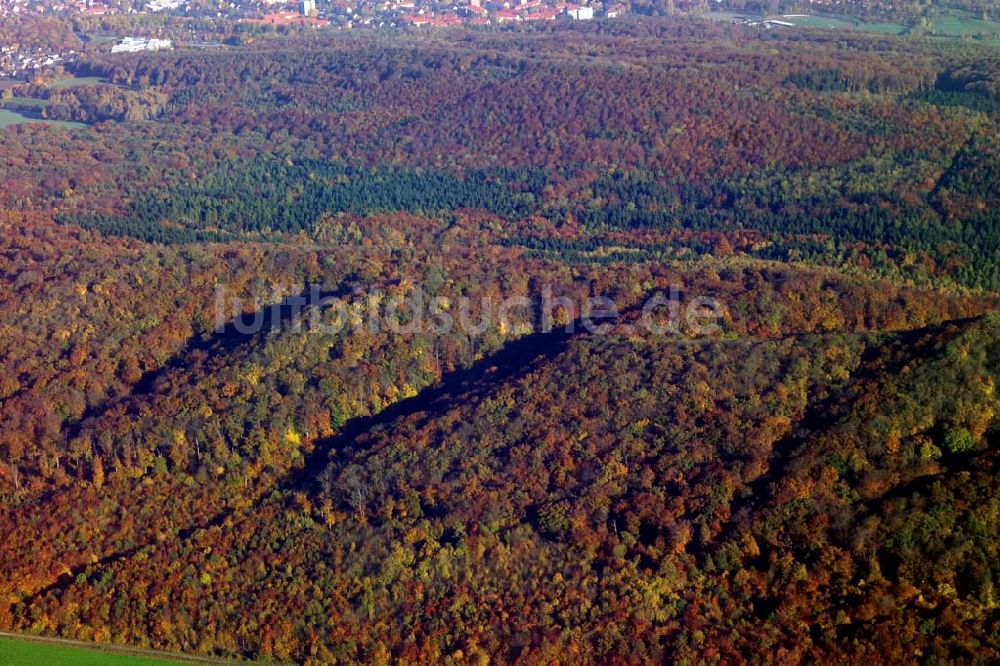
(581, 13)
(137, 44)
(308, 7)
(161, 5)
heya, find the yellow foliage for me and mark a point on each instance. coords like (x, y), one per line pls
(252, 375)
(98, 473)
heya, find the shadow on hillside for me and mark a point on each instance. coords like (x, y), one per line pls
(236, 332)
(516, 359)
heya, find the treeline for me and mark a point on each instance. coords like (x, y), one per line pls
(147, 230)
(954, 224)
(265, 196)
(91, 104)
(837, 80)
(974, 85)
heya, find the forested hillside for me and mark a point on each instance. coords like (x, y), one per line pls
(814, 480)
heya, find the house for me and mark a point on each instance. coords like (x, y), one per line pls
(581, 13)
(504, 15)
(543, 14)
(415, 19)
(287, 18)
(445, 20)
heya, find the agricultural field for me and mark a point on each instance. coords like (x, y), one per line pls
(10, 117)
(961, 24)
(831, 22)
(948, 24)
(75, 81)
(883, 28)
(819, 21)
(17, 652)
(25, 103)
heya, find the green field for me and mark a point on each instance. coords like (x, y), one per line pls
(947, 24)
(814, 21)
(841, 23)
(884, 28)
(9, 117)
(30, 653)
(25, 103)
(961, 24)
(103, 39)
(75, 81)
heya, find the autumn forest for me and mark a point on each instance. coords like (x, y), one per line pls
(816, 481)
